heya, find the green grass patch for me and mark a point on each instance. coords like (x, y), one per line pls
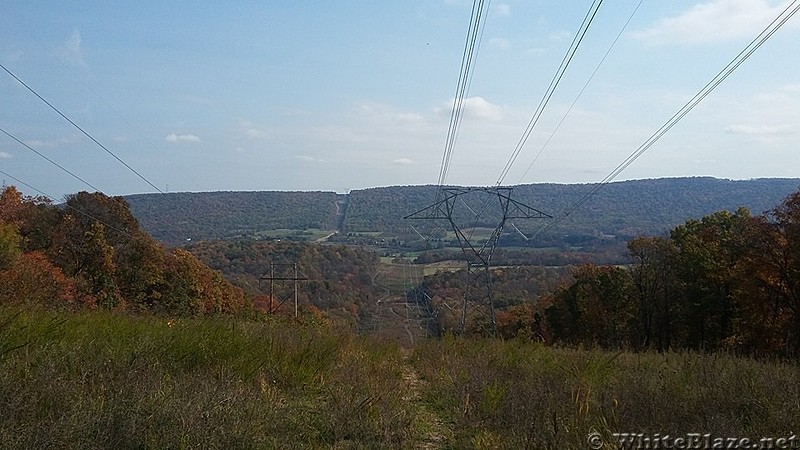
(517, 394)
(310, 234)
(102, 380)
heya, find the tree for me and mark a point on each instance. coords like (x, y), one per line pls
(709, 256)
(140, 270)
(775, 270)
(10, 241)
(32, 279)
(113, 212)
(34, 217)
(597, 308)
(653, 274)
(98, 266)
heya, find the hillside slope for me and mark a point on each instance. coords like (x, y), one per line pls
(626, 208)
(622, 209)
(175, 218)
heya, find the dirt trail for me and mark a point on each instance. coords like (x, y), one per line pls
(435, 433)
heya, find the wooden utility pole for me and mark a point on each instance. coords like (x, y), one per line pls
(284, 275)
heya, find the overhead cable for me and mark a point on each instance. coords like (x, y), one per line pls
(471, 47)
(48, 159)
(562, 68)
(84, 132)
(583, 89)
(737, 61)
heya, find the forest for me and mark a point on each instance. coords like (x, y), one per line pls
(91, 253)
(727, 281)
(337, 279)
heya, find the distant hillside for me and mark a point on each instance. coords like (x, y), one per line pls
(620, 209)
(626, 208)
(175, 217)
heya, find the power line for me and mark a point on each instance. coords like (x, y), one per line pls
(471, 47)
(737, 61)
(85, 133)
(583, 89)
(108, 105)
(48, 159)
(573, 48)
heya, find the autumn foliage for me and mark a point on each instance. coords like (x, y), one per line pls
(727, 281)
(90, 252)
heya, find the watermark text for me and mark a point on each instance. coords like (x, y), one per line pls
(640, 441)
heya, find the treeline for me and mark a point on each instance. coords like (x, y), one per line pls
(338, 278)
(609, 251)
(91, 252)
(515, 292)
(726, 281)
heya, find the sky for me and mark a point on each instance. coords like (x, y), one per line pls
(340, 95)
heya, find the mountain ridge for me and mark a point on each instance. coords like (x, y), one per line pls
(622, 208)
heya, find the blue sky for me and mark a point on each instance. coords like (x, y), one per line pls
(322, 95)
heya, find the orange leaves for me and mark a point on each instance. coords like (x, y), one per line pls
(94, 253)
(32, 279)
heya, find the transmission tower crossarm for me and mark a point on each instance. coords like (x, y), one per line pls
(478, 257)
(435, 209)
(521, 210)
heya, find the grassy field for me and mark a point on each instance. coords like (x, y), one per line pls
(310, 234)
(99, 380)
(107, 380)
(520, 395)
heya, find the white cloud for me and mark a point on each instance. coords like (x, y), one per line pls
(559, 36)
(714, 21)
(403, 161)
(409, 117)
(499, 43)
(475, 107)
(12, 55)
(791, 88)
(172, 137)
(196, 99)
(5, 155)
(759, 130)
(502, 9)
(37, 143)
(384, 112)
(52, 143)
(309, 158)
(249, 130)
(481, 108)
(72, 49)
(254, 133)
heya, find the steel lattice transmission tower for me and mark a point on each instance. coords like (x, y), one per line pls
(478, 255)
